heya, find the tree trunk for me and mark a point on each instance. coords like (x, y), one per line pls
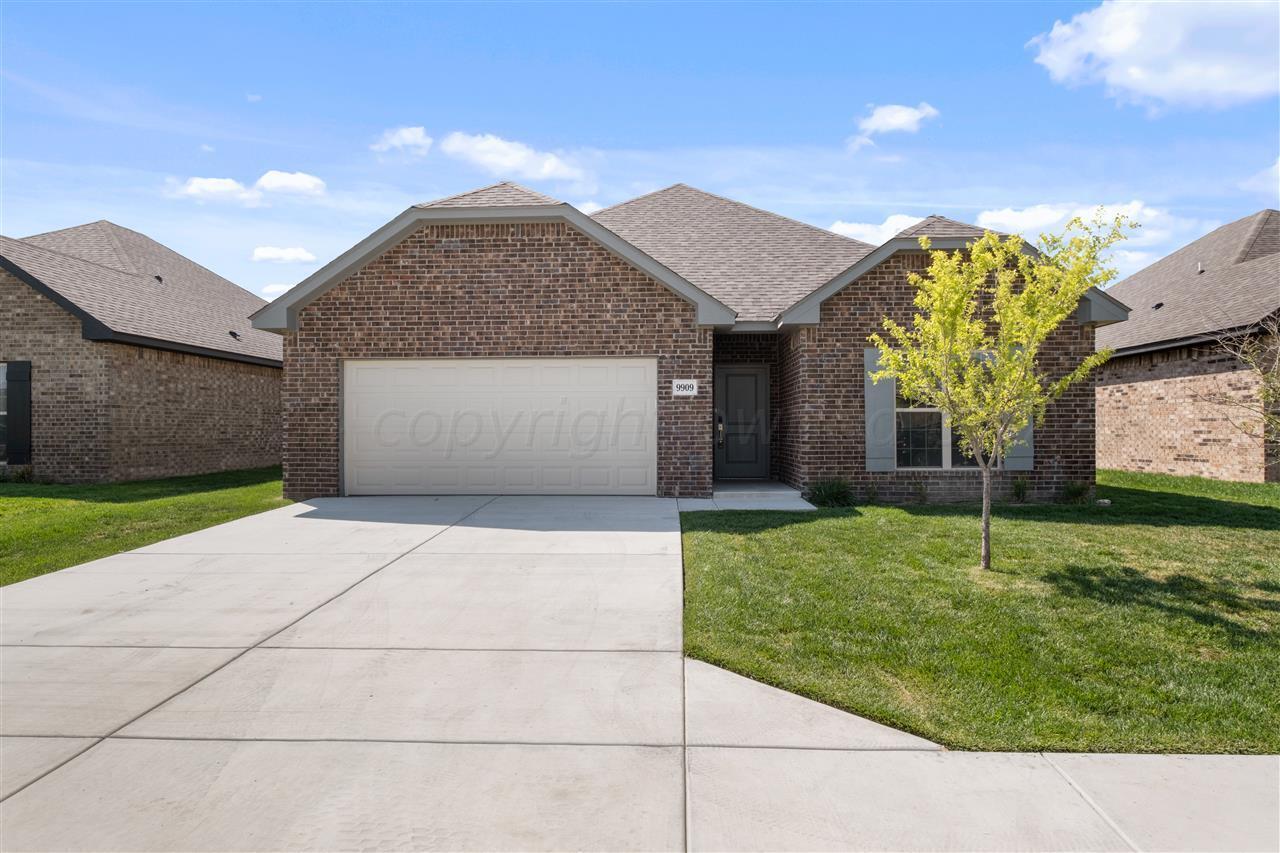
(986, 517)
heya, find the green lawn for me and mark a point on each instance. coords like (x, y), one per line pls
(1152, 625)
(47, 527)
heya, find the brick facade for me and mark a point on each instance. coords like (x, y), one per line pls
(545, 290)
(1162, 412)
(822, 401)
(104, 412)
(540, 289)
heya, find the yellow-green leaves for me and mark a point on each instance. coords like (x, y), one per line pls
(982, 317)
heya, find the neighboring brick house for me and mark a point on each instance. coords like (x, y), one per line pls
(120, 360)
(501, 341)
(1171, 400)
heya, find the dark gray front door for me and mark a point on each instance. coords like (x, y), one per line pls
(742, 422)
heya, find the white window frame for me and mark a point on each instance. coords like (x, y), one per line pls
(946, 442)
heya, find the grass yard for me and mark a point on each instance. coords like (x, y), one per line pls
(1152, 625)
(48, 527)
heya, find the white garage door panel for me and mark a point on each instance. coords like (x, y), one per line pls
(501, 426)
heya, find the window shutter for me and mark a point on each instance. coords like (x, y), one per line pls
(1021, 457)
(18, 440)
(878, 401)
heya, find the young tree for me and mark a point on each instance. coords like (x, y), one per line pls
(1254, 413)
(983, 315)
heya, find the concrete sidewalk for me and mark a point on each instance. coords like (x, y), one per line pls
(477, 673)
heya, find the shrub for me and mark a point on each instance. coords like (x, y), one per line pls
(1074, 493)
(1020, 490)
(921, 490)
(832, 492)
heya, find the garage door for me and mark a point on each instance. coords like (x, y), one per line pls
(558, 426)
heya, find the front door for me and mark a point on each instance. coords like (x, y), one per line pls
(742, 423)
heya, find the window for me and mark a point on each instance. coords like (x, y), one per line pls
(924, 440)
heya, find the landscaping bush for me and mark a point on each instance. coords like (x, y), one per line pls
(832, 492)
(1076, 493)
(1020, 490)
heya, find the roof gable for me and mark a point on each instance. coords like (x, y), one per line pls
(282, 314)
(1227, 279)
(123, 284)
(753, 260)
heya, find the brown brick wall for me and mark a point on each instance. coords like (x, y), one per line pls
(531, 289)
(824, 364)
(69, 415)
(105, 412)
(174, 413)
(1159, 412)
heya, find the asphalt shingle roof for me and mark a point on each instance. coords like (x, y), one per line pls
(110, 273)
(505, 194)
(1227, 279)
(940, 226)
(756, 262)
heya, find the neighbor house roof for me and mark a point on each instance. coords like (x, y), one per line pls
(126, 287)
(1228, 279)
(754, 261)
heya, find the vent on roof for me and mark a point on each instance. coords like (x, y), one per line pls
(1155, 307)
(235, 335)
(160, 279)
(1199, 267)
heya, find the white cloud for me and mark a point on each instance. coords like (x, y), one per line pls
(1195, 54)
(206, 148)
(218, 189)
(891, 118)
(506, 158)
(1267, 181)
(875, 234)
(589, 207)
(413, 140)
(283, 255)
(290, 182)
(275, 289)
(253, 99)
(1161, 231)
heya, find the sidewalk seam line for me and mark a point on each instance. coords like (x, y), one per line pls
(1115, 827)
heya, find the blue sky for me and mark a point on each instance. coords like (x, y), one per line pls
(263, 140)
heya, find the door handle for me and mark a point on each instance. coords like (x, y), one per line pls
(719, 431)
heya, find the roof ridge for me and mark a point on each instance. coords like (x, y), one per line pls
(118, 250)
(141, 276)
(115, 242)
(1255, 231)
(77, 258)
(638, 198)
(486, 188)
(824, 231)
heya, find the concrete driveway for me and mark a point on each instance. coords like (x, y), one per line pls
(479, 673)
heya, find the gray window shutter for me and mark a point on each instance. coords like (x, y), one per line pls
(879, 403)
(1021, 457)
(18, 440)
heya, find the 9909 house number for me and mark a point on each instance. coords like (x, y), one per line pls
(684, 387)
